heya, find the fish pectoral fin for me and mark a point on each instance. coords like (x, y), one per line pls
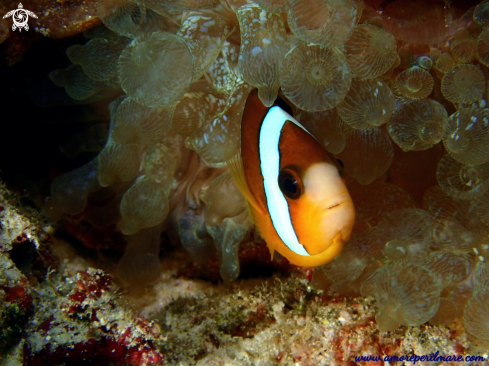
(255, 211)
(235, 165)
(260, 226)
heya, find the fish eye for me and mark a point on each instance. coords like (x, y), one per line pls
(290, 184)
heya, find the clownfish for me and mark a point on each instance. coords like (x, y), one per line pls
(295, 194)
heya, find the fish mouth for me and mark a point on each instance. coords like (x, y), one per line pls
(338, 201)
(334, 206)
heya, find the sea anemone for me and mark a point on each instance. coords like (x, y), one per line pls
(98, 57)
(141, 125)
(368, 104)
(481, 14)
(124, 17)
(315, 78)
(146, 204)
(406, 294)
(81, 87)
(425, 62)
(373, 146)
(156, 70)
(370, 51)
(223, 199)
(462, 181)
(483, 47)
(445, 62)
(263, 47)
(199, 104)
(328, 23)
(463, 47)
(463, 84)
(420, 21)
(406, 234)
(327, 127)
(466, 136)
(477, 308)
(418, 125)
(414, 83)
(374, 82)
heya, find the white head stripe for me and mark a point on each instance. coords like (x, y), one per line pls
(270, 169)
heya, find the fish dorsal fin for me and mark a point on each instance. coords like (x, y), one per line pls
(291, 119)
(235, 165)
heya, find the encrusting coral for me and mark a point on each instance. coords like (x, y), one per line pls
(179, 74)
(52, 313)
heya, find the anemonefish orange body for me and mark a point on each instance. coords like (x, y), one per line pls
(295, 194)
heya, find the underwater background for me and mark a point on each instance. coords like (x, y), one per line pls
(124, 239)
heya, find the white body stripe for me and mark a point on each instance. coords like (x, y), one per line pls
(270, 169)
